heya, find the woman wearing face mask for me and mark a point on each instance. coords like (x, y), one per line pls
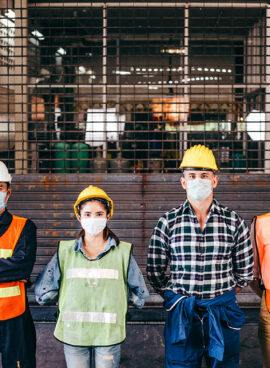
(98, 275)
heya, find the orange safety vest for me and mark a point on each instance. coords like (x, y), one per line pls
(12, 294)
(262, 239)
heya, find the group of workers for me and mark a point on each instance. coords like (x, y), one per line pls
(201, 254)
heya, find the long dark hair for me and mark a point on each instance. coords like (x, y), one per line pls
(107, 232)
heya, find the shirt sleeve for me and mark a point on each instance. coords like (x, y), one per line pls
(158, 256)
(242, 256)
(137, 289)
(48, 283)
(20, 265)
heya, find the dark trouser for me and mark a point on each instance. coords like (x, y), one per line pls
(189, 354)
(18, 342)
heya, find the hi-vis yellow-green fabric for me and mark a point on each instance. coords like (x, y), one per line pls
(93, 297)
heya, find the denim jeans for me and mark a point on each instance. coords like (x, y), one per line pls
(103, 356)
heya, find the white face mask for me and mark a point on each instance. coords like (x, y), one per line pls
(199, 189)
(93, 226)
(3, 196)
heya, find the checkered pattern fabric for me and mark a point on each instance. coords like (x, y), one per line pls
(204, 263)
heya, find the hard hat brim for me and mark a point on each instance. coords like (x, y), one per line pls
(92, 197)
(197, 169)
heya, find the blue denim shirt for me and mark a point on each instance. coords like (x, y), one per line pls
(48, 283)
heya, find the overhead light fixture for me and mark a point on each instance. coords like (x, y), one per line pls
(81, 69)
(121, 72)
(61, 51)
(196, 79)
(205, 69)
(173, 51)
(38, 35)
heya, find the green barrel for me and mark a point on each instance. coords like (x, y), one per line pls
(239, 163)
(79, 158)
(61, 153)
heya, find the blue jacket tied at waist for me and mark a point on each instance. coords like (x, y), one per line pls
(220, 310)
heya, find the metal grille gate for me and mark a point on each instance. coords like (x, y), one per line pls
(127, 87)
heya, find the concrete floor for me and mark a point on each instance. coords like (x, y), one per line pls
(143, 348)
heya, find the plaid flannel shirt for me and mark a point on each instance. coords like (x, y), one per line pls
(204, 263)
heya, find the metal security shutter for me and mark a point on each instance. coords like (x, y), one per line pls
(139, 201)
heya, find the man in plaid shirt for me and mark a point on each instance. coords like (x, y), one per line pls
(207, 247)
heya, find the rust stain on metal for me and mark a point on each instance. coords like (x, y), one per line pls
(97, 179)
(235, 179)
(49, 183)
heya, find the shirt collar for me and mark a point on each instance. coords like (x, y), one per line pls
(215, 207)
(186, 207)
(110, 243)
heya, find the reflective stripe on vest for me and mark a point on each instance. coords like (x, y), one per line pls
(5, 253)
(89, 317)
(94, 273)
(12, 294)
(262, 233)
(93, 296)
(10, 291)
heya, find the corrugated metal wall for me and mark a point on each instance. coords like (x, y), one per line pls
(139, 201)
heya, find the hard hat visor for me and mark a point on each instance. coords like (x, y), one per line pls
(196, 169)
(104, 201)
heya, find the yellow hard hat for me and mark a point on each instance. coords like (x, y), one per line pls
(199, 157)
(92, 192)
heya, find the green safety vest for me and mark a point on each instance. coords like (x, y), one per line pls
(93, 296)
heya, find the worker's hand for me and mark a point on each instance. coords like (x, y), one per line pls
(24, 281)
(255, 286)
(237, 289)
